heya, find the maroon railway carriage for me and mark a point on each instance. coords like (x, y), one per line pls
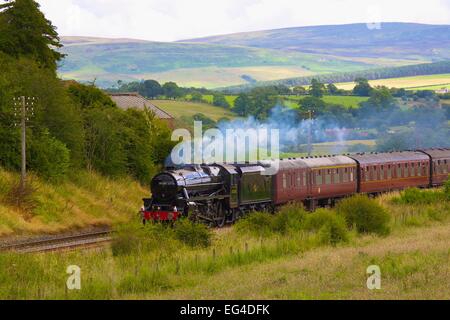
(380, 172)
(315, 178)
(440, 165)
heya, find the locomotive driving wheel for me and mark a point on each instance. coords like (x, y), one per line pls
(219, 214)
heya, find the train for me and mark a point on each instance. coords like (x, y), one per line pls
(219, 194)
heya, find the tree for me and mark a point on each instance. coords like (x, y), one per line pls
(49, 157)
(317, 88)
(242, 105)
(171, 90)
(380, 99)
(196, 96)
(89, 96)
(150, 89)
(219, 100)
(362, 87)
(24, 31)
(332, 89)
(314, 104)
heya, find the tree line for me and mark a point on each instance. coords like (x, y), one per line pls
(440, 67)
(75, 126)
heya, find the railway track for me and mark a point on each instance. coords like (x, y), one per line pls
(57, 243)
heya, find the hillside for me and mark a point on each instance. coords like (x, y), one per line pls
(109, 60)
(84, 200)
(245, 58)
(392, 40)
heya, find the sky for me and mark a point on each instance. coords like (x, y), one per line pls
(170, 20)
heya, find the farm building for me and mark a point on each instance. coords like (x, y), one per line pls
(135, 100)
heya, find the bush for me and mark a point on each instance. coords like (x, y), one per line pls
(365, 214)
(416, 196)
(193, 234)
(331, 228)
(49, 157)
(257, 223)
(289, 218)
(447, 189)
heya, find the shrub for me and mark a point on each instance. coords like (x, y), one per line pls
(447, 189)
(257, 223)
(331, 227)
(365, 214)
(416, 196)
(50, 157)
(289, 218)
(193, 234)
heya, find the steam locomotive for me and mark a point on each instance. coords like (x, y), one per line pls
(221, 193)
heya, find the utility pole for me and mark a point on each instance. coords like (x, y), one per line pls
(23, 108)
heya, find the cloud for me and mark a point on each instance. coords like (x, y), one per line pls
(163, 20)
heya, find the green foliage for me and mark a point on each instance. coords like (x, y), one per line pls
(293, 219)
(380, 99)
(447, 188)
(317, 88)
(331, 228)
(289, 218)
(192, 234)
(220, 101)
(49, 157)
(89, 96)
(417, 196)
(150, 89)
(311, 103)
(362, 87)
(196, 96)
(171, 90)
(256, 223)
(365, 214)
(24, 31)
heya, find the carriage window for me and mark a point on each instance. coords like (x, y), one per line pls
(319, 177)
(419, 169)
(299, 180)
(389, 172)
(351, 174)
(382, 173)
(337, 176)
(304, 178)
(399, 171)
(328, 177)
(284, 181)
(345, 175)
(405, 170)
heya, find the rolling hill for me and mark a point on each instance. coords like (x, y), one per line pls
(246, 58)
(392, 40)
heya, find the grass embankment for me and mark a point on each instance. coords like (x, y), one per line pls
(296, 255)
(84, 199)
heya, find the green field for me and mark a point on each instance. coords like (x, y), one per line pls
(432, 82)
(346, 101)
(180, 109)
